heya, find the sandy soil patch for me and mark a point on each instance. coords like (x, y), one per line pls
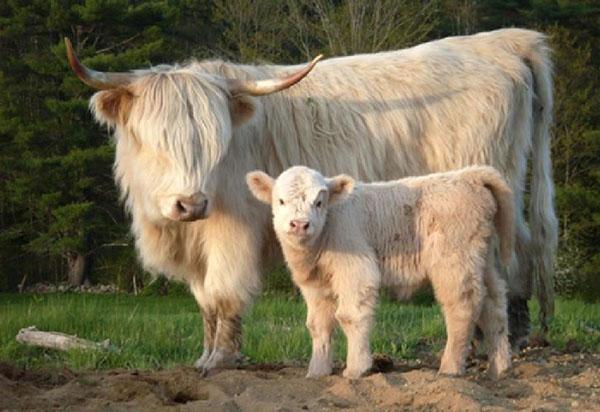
(541, 379)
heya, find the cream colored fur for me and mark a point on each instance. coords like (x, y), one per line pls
(442, 105)
(435, 229)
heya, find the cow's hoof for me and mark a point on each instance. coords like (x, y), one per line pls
(199, 364)
(221, 360)
(518, 323)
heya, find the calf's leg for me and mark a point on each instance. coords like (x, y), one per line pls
(357, 291)
(493, 322)
(357, 328)
(460, 296)
(320, 322)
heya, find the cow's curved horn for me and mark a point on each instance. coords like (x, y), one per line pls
(97, 80)
(261, 87)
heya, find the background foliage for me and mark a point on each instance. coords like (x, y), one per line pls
(60, 218)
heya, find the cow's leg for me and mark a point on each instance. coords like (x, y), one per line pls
(209, 318)
(460, 296)
(231, 282)
(494, 323)
(228, 341)
(356, 289)
(520, 286)
(210, 328)
(227, 344)
(320, 321)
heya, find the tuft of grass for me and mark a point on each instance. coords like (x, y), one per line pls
(575, 320)
(165, 331)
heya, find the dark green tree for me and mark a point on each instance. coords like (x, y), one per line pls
(576, 152)
(58, 205)
(59, 209)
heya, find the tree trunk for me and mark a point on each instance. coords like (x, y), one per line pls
(77, 269)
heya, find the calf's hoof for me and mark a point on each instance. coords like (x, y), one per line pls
(318, 371)
(317, 374)
(354, 373)
(359, 367)
(494, 374)
(451, 371)
(498, 369)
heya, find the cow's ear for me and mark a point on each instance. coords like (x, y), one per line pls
(339, 188)
(112, 106)
(242, 108)
(261, 185)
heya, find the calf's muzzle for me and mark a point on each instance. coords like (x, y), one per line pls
(299, 227)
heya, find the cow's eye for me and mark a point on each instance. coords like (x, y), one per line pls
(281, 202)
(318, 204)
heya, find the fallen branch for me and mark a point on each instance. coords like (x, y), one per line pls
(22, 284)
(56, 340)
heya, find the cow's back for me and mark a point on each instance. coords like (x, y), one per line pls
(434, 107)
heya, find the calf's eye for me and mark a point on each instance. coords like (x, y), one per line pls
(281, 202)
(318, 204)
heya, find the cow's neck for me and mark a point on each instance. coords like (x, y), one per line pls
(167, 248)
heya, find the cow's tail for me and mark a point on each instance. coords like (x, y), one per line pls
(505, 215)
(542, 217)
(533, 49)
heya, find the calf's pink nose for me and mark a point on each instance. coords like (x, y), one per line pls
(299, 226)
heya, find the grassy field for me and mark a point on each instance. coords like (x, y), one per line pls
(153, 332)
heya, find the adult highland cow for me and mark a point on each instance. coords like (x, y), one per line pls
(187, 135)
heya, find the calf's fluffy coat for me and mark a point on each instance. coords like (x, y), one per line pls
(343, 240)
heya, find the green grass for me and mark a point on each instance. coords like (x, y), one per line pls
(153, 332)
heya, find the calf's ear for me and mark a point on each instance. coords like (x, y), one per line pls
(339, 188)
(112, 106)
(261, 185)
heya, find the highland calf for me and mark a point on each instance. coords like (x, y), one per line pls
(342, 241)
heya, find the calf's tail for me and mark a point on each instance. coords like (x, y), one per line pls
(504, 220)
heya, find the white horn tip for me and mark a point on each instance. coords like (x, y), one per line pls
(316, 59)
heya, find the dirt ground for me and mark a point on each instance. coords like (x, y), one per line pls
(541, 379)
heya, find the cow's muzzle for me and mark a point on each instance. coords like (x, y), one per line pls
(188, 209)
